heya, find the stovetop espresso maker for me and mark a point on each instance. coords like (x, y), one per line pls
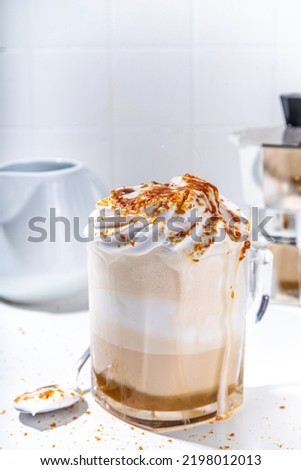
(270, 161)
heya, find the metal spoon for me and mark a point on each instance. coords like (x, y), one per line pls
(53, 397)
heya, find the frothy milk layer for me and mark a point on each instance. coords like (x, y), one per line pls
(146, 305)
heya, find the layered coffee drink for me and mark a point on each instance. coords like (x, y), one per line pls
(167, 286)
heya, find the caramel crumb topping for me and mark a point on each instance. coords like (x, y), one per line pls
(43, 395)
(46, 394)
(161, 196)
(158, 203)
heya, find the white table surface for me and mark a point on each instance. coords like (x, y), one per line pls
(38, 348)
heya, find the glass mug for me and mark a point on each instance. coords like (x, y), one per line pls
(167, 339)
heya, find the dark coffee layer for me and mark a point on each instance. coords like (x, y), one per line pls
(133, 398)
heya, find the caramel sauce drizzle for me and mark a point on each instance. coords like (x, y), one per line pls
(163, 195)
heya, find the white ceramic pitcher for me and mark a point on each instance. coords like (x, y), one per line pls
(44, 207)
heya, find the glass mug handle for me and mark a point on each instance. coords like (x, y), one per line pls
(260, 282)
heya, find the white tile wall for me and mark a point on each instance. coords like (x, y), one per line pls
(212, 145)
(69, 22)
(141, 152)
(227, 78)
(288, 22)
(15, 90)
(151, 87)
(140, 89)
(71, 88)
(151, 23)
(235, 22)
(289, 58)
(15, 144)
(92, 146)
(14, 23)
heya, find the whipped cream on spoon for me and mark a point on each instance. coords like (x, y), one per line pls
(56, 396)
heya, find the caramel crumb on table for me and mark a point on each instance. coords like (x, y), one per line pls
(231, 434)
(26, 434)
(140, 448)
(224, 447)
(281, 407)
(53, 425)
(169, 440)
(88, 412)
(98, 438)
(3, 412)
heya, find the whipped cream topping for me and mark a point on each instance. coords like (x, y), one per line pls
(185, 214)
(46, 399)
